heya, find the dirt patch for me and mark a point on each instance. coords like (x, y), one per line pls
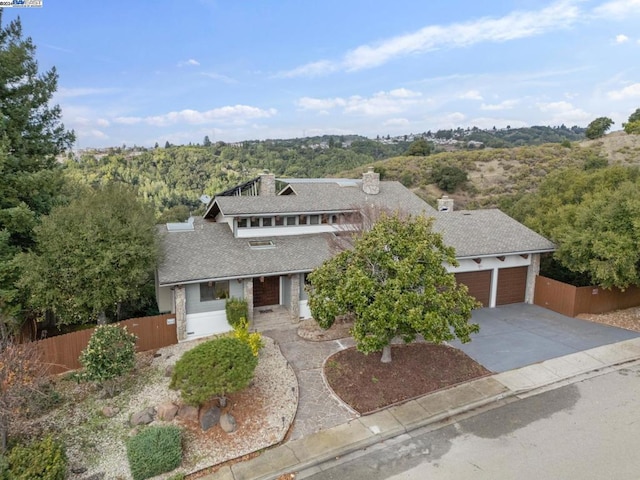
(310, 330)
(628, 319)
(367, 384)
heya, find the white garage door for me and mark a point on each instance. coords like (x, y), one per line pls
(208, 323)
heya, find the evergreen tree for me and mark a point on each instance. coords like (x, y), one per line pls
(31, 137)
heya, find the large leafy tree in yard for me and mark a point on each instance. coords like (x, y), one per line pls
(394, 283)
(31, 136)
(594, 218)
(92, 255)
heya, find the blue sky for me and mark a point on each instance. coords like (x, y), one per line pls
(145, 72)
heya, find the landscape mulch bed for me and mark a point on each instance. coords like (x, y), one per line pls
(366, 384)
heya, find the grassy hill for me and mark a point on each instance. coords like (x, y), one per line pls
(498, 176)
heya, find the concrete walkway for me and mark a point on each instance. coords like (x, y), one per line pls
(318, 408)
(311, 451)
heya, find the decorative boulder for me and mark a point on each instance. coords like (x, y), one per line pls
(228, 423)
(168, 371)
(110, 411)
(188, 413)
(209, 418)
(144, 417)
(167, 411)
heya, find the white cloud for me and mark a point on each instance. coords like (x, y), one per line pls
(237, 114)
(630, 91)
(189, 63)
(471, 95)
(313, 69)
(320, 104)
(396, 122)
(218, 76)
(504, 105)
(518, 24)
(617, 9)
(128, 120)
(563, 112)
(381, 103)
(621, 38)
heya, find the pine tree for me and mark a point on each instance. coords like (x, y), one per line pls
(31, 137)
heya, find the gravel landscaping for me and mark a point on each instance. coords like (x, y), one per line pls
(96, 444)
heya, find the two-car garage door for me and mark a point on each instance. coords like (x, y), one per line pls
(512, 284)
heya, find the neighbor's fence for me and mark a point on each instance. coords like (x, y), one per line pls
(569, 300)
(62, 352)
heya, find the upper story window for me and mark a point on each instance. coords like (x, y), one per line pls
(291, 221)
(255, 221)
(267, 221)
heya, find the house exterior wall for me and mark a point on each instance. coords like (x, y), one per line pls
(294, 298)
(194, 305)
(247, 285)
(534, 271)
(165, 300)
(285, 290)
(181, 312)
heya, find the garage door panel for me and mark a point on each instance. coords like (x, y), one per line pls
(512, 285)
(478, 283)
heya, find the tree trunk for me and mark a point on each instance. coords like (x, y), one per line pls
(386, 354)
(102, 318)
(4, 427)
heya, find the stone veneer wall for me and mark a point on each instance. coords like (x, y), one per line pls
(181, 312)
(532, 272)
(371, 182)
(294, 305)
(267, 185)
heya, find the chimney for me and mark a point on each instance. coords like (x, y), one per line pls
(445, 204)
(267, 184)
(371, 182)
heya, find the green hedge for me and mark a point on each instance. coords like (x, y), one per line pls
(237, 309)
(155, 450)
(44, 460)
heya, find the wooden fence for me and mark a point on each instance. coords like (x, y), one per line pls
(569, 300)
(62, 352)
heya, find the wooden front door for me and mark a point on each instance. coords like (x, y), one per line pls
(266, 292)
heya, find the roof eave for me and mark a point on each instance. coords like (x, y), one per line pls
(520, 252)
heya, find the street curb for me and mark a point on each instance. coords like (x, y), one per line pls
(507, 396)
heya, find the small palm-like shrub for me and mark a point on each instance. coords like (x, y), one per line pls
(154, 450)
(253, 339)
(214, 368)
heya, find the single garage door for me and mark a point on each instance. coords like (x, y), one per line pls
(512, 285)
(478, 283)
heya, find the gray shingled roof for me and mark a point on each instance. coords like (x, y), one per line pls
(325, 197)
(211, 252)
(475, 233)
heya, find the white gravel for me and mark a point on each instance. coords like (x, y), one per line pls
(97, 444)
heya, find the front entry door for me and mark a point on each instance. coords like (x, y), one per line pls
(266, 291)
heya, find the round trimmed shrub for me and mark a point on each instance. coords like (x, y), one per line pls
(155, 450)
(214, 368)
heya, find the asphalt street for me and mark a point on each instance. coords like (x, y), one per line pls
(586, 430)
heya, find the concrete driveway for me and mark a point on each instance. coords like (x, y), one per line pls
(513, 336)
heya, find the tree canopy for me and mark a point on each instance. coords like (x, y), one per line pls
(31, 136)
(92, 255)
(633, 123)
(598, 127)
(594, 218)
(394, 283)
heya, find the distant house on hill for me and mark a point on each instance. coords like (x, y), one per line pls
(259, 243)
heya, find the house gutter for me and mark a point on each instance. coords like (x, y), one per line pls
(236, 277)
(489, 255)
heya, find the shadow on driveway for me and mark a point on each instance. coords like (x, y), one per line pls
(513, 336)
